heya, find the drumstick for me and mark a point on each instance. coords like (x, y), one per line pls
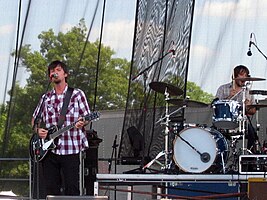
(233, 78)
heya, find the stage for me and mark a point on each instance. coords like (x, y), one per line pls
(233, 181)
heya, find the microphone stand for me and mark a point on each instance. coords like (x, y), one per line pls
(145, 103)
(259, 50)
(143, 71)
(114, 151)
(37, 145)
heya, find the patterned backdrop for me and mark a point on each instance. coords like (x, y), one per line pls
(160, 54)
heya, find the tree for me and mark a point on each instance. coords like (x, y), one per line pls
(194, 92)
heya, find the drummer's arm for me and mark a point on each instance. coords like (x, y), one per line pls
(249, 110)
(232, 93)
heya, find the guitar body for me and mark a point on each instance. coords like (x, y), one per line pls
(37, 153)
(38, 147)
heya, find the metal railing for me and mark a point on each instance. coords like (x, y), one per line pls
(7, 180)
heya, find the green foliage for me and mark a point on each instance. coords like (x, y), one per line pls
(194, 92)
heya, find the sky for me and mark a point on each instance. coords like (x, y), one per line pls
(220, 35)
(220, 41)
(61, 15)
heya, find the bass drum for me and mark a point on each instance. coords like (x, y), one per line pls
(198, 150)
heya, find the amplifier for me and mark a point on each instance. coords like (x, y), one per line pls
(253, 164)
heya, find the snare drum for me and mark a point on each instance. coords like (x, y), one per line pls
(225, 114)
(208, 142)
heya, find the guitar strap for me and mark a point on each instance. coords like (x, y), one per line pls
(64, 107)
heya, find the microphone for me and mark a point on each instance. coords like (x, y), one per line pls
(54, 75)
(249, 45)
(172, 51)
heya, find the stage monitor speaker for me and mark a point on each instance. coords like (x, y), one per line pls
(52, 197)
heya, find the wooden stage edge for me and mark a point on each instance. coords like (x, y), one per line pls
(156, 179)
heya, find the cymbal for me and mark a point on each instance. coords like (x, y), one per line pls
(188, 103)
(249, 79)
(257, 106)
(161, 87)
(262, 92)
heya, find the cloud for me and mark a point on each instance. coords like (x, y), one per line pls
(119, 33)
(66, 27)
(7, 29)
(201, 51)
(240, 9)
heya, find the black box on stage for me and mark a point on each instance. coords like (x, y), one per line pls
(253, 164)
(52, 197)
(194, 189)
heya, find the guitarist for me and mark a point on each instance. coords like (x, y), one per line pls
(62, 163)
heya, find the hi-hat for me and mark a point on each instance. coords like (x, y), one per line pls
(188, 103)
(249, 79)
(161, 87)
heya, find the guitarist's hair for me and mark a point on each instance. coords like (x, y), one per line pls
(54, 64)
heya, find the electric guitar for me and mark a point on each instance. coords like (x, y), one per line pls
(39, 147)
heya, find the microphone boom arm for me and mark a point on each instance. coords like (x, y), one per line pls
(259, 50)
(143, 71)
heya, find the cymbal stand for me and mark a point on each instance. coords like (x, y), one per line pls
(244, 118)
(257, 143)
(166, 132)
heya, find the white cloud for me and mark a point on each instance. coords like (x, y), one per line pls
(7, 29)
(201, 51)
(119, 33)
(246, 9)
(66, 27)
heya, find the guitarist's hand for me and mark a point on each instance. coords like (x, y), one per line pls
(80, 123)
(42, 132)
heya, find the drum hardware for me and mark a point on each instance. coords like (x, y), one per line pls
(249, 79)
(225, 114)
(204, 157)
(169, 116)
(168, 90)
(189, 144)
(257, 106)
(162, 87)
(188, 103)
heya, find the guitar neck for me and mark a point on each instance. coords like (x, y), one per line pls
(91, 116)
(59, 132)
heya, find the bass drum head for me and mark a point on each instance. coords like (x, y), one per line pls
(188, 159)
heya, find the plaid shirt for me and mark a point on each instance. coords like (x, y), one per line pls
(223, 93)
(73, 140)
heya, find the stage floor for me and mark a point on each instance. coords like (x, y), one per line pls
(132, 180)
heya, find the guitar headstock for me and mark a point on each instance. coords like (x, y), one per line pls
(93, 116)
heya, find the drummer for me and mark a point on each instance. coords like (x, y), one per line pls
(233, 91)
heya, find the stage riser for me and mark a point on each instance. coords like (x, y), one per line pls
(194, 189)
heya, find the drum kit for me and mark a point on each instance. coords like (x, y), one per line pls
(202, 149)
